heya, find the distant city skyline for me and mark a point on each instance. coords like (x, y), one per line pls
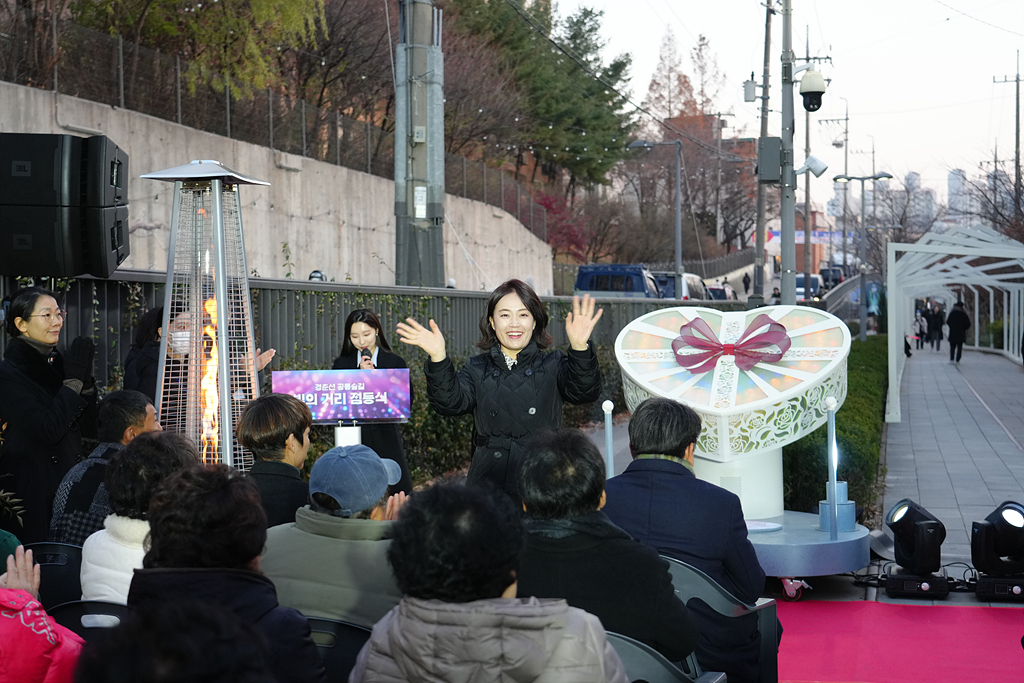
(917, 75)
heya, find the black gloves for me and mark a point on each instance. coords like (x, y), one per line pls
(78, 359)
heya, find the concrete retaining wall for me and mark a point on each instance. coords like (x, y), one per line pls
(332, 218)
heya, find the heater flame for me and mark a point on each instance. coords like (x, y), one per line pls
(210, 388)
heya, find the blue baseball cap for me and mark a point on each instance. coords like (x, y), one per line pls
(355, 476)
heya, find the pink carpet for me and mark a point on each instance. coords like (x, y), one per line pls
(872, 642)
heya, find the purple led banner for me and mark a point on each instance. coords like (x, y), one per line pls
(333, 395)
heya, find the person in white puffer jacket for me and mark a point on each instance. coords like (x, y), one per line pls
(110, 556)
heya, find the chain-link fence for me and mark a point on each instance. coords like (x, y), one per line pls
(108, 69)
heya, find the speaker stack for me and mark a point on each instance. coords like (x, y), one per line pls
(63, 205)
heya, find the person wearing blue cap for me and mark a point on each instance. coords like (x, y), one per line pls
(331, 562)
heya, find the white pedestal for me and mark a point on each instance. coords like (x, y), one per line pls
(348, 435)
(756, 479)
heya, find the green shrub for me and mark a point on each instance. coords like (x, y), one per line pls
(434, 445)
(580, 416)
(858, 434)
(996, 330)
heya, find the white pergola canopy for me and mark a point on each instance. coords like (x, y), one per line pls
(945, 264)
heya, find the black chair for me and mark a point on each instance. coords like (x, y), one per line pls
(644, 663)
(60, 567)
(338, 643)
(87, 617)
(691, 583)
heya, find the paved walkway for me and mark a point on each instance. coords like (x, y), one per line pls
(958, 450)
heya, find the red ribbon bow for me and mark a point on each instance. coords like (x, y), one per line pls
(748, 351)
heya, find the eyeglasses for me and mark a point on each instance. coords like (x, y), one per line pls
(50, 317)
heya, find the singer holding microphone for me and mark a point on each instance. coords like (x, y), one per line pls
(366, 348)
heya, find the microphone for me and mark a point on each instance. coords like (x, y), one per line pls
(365, 353)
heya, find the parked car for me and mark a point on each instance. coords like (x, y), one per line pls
(617, 280)
(831, 276)
(816, 287)
(693, 286)
(722, 292)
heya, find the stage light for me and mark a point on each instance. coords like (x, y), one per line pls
(918, 536)
(997, 551)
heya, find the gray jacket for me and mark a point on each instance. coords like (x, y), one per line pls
(501, 641)
(332, 567)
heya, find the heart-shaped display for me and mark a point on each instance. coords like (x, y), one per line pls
(758, 378)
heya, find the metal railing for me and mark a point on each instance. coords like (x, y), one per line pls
(304, 320)
(108, 69)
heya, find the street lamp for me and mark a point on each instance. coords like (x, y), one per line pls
(863, 248)
(636, 144)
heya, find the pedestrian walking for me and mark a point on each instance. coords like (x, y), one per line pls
(746, 283)
(920, 329)
(959, 322)
(935, 328)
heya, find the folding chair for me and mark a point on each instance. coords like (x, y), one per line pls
(60, 567)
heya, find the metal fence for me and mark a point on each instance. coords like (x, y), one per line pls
(304, 321)
(103, 68)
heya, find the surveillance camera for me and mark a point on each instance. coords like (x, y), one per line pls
(814, 165)
(812, 87)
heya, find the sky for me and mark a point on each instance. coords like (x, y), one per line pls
(917, 75)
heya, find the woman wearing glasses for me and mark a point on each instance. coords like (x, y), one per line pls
(43, 394)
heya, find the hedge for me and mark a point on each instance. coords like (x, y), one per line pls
(858, 433)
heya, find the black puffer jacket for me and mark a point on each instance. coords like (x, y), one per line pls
(509, 406)
(43, 438)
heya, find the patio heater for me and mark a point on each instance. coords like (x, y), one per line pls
(208, 357)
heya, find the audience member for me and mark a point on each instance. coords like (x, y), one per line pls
(46, 400)
(82, 502)
(574, 552)
(660, 502)
(184, 641)
(332, 561)
(142, 364)
(33, 647)
(455, 555)
(276, 428)
(207, 532)
(110, 556)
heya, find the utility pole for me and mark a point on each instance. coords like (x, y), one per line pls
(758, 295)
(787, 209)
(807, 185)
(419, 146)
(1018, 209)
(846, 171)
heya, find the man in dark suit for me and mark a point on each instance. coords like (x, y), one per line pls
(275, 428)
(573, 552)
(660, 502)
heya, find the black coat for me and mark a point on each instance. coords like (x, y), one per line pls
(291, 654)
(141, 367)
(663, 505)
(384, 439)
(281, 489)
(43, 438)
(959, 322)
(509, 406)
(597, 567)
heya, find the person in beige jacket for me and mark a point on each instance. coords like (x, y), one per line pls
(455, 555)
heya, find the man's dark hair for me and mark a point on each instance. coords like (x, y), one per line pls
(118, 411)
(661, 426)
(146, 329)
(456, 544)
(326, 504)
(134, 472)
(267, 421)
(533, 305)
(206, 517)
(177, 641)
(21, 304)
(562, 475)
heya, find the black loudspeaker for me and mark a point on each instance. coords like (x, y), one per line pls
(63, 205)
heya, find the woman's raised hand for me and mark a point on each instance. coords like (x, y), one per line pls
(580, 323)
(431, 341)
